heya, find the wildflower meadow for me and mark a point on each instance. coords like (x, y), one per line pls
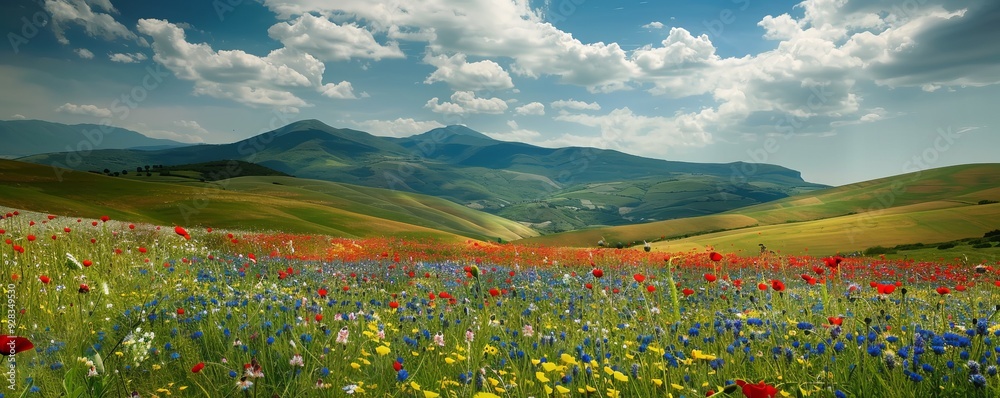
(105, 308)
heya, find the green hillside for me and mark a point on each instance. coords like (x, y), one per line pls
(554, 189)
(249, 203)
(908, 208)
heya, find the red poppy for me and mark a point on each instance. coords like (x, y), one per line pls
(777, 285)
(197, 368)
(588, 286)
(393, 304)
(45, 279)
(711, 278)
(180, 311)
(67, 230)
(650, 288)
(84, 288)
(51, 217)
(833, 262)
(31, 238)
(430, 295)
(319, 317)
(444, 295)
(639, 277)
(105, 218)
(687, 292)
(346, 288)
(759, 390)
(87, 263)
(943, 290)
(397, 366)
(836, 320)
(597, 272)
(715, 256)
(322, 292)
(494, 292)
(960, 288)
(809, 279)
(886, 288)
(131, 226)
(10, 345)
(762, 286)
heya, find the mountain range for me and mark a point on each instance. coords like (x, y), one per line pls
(31, 137)
(549, 189)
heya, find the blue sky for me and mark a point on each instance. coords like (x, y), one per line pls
(842, 90)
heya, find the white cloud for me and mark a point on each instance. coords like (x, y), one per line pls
(64, 13)
(533, 108)
(342, 90)
(622, 129)
(517, 134)
(466, 102)
(466, 76)
(576, 105)
(84, 53)
(18, 116)
(654, 25)
(330, 41)
(273, 80)
(399, 127)
(483, 28)
(86, 110)
(127, 58)
(191, 125)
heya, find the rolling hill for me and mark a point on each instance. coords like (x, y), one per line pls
(929, 206)
(551, 189)
(259, 202)
(30, 137)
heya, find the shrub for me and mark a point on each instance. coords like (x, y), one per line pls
(987, 202)
(877, 250)
(982, 245)
(995, 232)
(946, 246)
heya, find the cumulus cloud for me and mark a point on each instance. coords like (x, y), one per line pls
(483, 28)
(84, 53)
(622, 129)
(272, 80)
(654, 25)
(466, 76)
(329, 41)
(533, 108)
(342, 90)
(64, 13)
(190, 125)
(127, 58)
(466, 102)
(86, 110)
(576, 105)
(398, 128)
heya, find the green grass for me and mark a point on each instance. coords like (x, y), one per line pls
(250, 203)
(939, 204)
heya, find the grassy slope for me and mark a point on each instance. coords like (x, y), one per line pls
(932, 205)
(34, 187)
